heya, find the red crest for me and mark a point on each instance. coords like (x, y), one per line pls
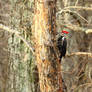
(65, 32)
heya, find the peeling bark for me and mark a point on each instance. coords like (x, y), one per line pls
(45, 44)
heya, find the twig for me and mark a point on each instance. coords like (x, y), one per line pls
(79, 15)
(8, 29)
(76, 2)
(78, 7)
(17, 34)
(88, 31)
(74, 27)
(82, 85)
(77, 28)
(65, 11)
(81, 53)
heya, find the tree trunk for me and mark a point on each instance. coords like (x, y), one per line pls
(45, 46)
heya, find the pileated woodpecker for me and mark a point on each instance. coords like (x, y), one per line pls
(62, 44)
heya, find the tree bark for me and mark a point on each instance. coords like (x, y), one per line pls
(45, 46)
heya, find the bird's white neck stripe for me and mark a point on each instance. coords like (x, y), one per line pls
(63, 38)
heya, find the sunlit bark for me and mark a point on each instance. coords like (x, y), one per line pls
(45, 49)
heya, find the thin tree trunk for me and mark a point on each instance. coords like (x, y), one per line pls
(45, 44)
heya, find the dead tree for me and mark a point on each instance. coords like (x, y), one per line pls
(45, 46)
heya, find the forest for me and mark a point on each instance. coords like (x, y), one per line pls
(33, 58)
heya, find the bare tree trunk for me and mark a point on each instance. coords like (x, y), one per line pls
(45, 44)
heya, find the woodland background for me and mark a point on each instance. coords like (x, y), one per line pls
(18, 71)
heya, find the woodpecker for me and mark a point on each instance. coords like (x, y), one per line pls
(62, 44)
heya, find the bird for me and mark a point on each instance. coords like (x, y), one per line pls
(62, 44)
